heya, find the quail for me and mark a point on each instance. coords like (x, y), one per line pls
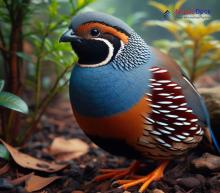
(131, 99)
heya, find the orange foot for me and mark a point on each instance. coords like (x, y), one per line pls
(117, 173)
(145, 181)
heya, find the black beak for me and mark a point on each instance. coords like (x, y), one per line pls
(69, 36)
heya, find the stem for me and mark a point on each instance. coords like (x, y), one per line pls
(182, 53)
(44, 104)
(3, 46)
(11, 119)
(9, 125)
(12, 63)
(38, 79)
(9, 7)
(4, 53)
(38, 69)
(55, 85)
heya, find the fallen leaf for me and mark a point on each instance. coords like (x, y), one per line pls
(65, 150)
(35, 183)
(21, 179)
(27, 161)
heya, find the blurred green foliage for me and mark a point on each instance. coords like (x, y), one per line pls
(4, 154)
(194, 47)
(43, 63)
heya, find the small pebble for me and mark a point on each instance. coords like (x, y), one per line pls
(189, 182)
(208, 162)
(157, 191)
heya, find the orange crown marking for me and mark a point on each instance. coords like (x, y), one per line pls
(85, 28)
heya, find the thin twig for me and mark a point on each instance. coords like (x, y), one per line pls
(182, 52)
(52, 92)
(55, 85)
(9, 8)
(38, 69)
(2, 37)
(3, 49)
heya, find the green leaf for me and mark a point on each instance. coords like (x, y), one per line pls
(13, 102)
(168, 25)
(2, 84)
(24, 56)
(179, 4)
(135, 18)
(160, 6)
(4, 154)
(53, 8)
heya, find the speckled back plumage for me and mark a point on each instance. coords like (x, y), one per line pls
(135, 53)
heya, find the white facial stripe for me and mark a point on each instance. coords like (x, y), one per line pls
(121, 48)
(108, 58)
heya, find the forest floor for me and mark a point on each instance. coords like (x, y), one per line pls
(181, 175)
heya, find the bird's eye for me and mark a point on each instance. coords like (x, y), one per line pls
(94, 32)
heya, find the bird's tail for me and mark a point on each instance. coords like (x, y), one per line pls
(214, 135)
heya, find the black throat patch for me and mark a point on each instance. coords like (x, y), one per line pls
(91, 51)
(95, 51)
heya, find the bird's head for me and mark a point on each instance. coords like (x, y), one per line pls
(99, 39)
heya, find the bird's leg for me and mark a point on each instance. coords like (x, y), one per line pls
(145, 181)
(117, 173)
